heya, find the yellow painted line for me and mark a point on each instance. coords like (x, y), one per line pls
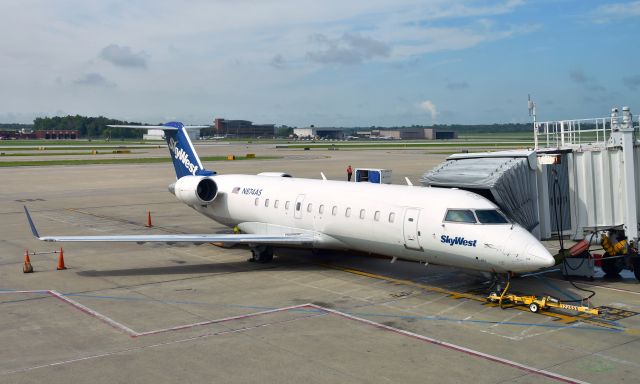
(559, 317)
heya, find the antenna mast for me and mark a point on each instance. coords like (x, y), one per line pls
(532, 113)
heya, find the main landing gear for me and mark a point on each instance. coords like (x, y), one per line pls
(261, 254)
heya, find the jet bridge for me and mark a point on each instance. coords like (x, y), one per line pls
(507, 178)
(580, 180)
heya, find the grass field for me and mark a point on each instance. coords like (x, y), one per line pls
(400, 145)
(103, 151)
(41, 163)
(68, 148)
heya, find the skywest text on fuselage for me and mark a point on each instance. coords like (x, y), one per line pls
(457, 241)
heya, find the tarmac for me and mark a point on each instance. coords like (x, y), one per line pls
(153, 313)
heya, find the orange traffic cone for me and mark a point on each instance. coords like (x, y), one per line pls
(149, 219)
(61, 261)
(26, 267)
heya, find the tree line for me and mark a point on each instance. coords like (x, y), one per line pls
(96, 127)
(89, 127)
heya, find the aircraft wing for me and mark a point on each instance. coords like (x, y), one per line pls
(285, 239)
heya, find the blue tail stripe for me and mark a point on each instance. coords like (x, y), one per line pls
(185, 159)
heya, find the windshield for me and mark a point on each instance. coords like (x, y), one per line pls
(491, 216)
(460, 216)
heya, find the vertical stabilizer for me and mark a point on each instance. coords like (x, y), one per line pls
(185, 159)
(184, 156)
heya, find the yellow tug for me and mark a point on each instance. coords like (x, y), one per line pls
(536, 303)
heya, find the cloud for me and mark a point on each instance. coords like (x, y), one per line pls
(632, 82)
(278, 62)
(578, 76)
(351, 48)
(457, 85)
(430, 107)
(615, 11)
(588, 82)
(94, 80)
(123, 56)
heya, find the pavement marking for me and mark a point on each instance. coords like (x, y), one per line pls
(117, 325)
(559, 317)
(140, 348)
(317, 308)
(455, 347)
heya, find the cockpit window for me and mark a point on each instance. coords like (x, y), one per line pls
(460, 216)
(490, 216)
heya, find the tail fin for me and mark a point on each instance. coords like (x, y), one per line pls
(185, 159)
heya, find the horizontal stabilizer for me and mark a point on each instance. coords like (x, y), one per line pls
(163, 127)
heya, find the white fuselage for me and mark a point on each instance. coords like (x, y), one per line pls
(394, 220)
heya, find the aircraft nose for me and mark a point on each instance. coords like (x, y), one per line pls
(539, 256)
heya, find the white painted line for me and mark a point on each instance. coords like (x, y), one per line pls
(95, 314)
(129, 331)
(209, 322)
(455, 347)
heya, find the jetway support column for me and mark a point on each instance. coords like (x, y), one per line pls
(628, 140)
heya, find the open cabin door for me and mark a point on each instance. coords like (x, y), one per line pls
(410, 224)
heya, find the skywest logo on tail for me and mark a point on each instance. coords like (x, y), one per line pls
(182, 156)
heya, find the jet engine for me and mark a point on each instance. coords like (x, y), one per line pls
(195, 190)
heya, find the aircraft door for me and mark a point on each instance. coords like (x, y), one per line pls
(411, 232)
(297, 208)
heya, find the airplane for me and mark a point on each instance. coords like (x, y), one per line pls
(444, 226)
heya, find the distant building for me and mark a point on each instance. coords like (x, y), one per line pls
(153, 134)
(158, 134)
(242, 128)
(434, 134)
(319, 132)
(14, 134)
(58, 134)
(403, 134)
(416, 134)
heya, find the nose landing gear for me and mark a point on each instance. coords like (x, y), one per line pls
(499, 287)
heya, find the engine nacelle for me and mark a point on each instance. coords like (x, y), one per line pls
(195, 190)
(274, 174)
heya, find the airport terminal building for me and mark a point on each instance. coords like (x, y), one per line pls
(242, 128)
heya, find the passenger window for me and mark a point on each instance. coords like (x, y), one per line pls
(287, 205)
(490, 216)
(362, 213)
(460, 216)
(376, 216)
(347, 212)
(266, 203)
(275, 204)
(309, 207)
(321, 209)
(392, 217)
(334, 210)
(257, 201)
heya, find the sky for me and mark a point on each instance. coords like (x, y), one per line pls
(326, 63)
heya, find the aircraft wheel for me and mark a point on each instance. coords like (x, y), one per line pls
(533, 307)
(612, 267)
(636, 266)
(262, 254)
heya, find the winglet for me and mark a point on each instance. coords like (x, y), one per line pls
(33, 226)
